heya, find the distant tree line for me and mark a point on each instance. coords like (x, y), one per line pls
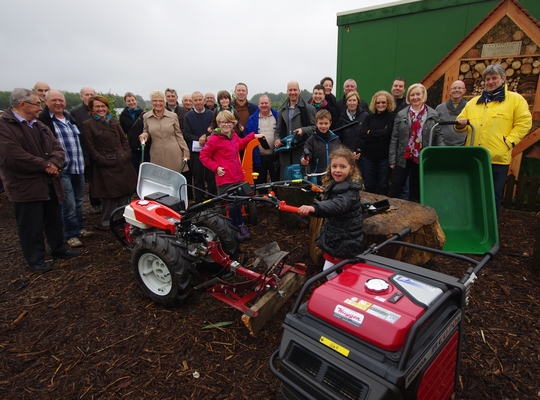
(73, 99)
(278, 99)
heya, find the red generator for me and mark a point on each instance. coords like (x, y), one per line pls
(381, 329)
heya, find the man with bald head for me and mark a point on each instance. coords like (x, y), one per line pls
(81, 112)
(295, 116)
(449, 110)
(67, 133)
(41, 88)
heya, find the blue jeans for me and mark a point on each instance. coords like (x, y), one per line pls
(72, 216)
(500, 173)
(376, 175)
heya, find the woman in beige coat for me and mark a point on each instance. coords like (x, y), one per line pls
(161, 127)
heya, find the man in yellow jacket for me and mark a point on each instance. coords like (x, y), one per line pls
(501, 118)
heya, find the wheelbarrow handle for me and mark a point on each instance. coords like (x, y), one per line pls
(143, 147)
(184, 162)
(471, 143)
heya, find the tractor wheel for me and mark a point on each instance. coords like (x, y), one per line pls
(223, 229)
(253, 219)
(161, 271)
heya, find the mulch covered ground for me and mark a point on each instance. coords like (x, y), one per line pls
(86, 331)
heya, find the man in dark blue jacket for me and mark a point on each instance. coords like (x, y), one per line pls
(196, 123)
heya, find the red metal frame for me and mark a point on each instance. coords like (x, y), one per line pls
(229, 293)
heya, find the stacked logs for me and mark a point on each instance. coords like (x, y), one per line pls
(521, 73)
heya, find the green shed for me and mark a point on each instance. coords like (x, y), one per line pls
(436, 42)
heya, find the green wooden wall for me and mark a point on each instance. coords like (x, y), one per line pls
(407, 40)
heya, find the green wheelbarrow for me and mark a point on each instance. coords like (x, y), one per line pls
(458, 183)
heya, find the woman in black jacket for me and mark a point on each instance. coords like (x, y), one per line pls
(350, 124)
(376, 132)
(131, 121)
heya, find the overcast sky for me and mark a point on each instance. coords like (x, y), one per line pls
(139, 46)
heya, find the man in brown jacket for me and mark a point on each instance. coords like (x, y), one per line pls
(31, 160)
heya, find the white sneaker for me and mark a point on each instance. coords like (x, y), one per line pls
(74, 242)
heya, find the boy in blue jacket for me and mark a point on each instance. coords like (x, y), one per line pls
(320, 144)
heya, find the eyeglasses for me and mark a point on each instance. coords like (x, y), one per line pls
(226, 123)
(38, 104)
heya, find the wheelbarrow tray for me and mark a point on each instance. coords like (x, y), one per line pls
(155, 178)
(458, 183)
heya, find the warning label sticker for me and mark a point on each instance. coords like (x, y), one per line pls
(357, 303)
(383, 313)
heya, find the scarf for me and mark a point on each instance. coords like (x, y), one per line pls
(455, 111)
(352, 117)
(497, 95)
(107, 119)
(133, 111)
(319, 106)
(415, 136)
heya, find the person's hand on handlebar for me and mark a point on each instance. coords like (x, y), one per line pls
(143, 138)
(461, 123)
(305, 210)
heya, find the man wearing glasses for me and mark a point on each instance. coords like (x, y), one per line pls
(31, 160)
(449, 110)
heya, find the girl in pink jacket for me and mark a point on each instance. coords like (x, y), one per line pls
(220, 154)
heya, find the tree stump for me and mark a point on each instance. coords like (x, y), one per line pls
(315, 253)
(422, 220)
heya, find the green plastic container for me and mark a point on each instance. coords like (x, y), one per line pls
(458, 183)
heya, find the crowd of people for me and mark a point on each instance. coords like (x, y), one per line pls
(47, 153)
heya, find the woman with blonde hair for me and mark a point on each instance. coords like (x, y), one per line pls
(410, 135)
(376, 132)
(162, 129)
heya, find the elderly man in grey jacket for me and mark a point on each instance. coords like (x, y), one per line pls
(449, 110)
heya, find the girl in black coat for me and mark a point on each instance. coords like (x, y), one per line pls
(341, 235)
